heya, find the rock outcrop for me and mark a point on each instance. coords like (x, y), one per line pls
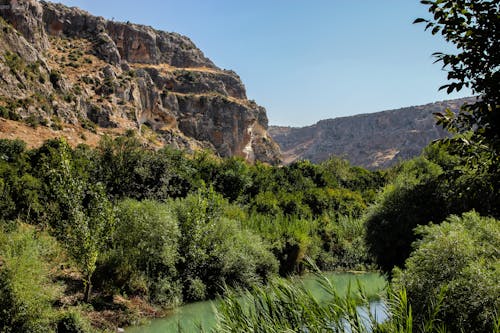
(26, 17)
(116, 40)
(62, 66)
(374, 141)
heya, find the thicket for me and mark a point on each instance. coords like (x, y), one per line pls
(170, 227)
(428, 189)
(456, 266)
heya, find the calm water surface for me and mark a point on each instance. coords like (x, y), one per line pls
(202, 313)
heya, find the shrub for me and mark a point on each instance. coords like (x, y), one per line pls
(291, 239)
(25, 290)
(14, 62)
(457, 261)
(409, 201)
(215, 250)
(342, 244)
(145, 251)
(55, 78)
(72, 322)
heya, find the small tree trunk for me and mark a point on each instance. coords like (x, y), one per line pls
(88, 289)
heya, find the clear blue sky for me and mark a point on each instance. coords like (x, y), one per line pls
(305, 60)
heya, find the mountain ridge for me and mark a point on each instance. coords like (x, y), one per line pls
(372, 140)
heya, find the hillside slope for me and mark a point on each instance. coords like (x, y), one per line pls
(80, 76)
(375, 140)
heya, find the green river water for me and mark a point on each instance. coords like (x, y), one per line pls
(189, 315)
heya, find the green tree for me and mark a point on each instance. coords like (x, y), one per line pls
(86, 215)
(232, 178)
(456, 265)
(473, 27)
(215, 250)
(19, 189)
(409, 201)
(144, 252)
(131, 170)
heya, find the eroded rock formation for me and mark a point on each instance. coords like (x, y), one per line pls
(68, 67)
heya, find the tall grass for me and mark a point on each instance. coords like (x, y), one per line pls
(287, 306)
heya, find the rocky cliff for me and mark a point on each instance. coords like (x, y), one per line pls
(374, 141)
(67, 72)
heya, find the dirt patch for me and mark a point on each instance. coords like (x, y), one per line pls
(35, 137)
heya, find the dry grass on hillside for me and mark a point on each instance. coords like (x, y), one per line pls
(35, 137)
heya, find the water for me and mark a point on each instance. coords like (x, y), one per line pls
(202, 313)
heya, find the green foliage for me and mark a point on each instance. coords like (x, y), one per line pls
(287, 306)
(11, 150)
(144, 252)
(130, 170)
(214, 250)
(86, 216)
(251, 222)
(232, 178)
(25, 290)
(71, 321)
(343, 244)
(338, 172)
(292, 239)
(472, 27)
(411, 200)
(457, 261)
(466, 184)
(19, 190)
(14, 62)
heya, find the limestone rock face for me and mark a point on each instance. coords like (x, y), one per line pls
(195, 81)
(116, 40)
(142, 44)
(26, 17)
(374, 141)
(104, 76)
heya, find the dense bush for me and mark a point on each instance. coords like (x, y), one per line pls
(131, 170)
(409, 201)
(19, 190)
(343, 245)
(214, 250)
(291, 238)
(455, 264)
(72, 322)
(26, 294)
(144, 252)
(427, 189)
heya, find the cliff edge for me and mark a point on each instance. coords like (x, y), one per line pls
(65, 72)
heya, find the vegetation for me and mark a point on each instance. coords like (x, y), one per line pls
(25, 292)
(472, 26)
(167, 227)
(84, 230)
(286, 306)
(458, 262)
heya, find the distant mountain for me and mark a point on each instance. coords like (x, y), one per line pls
(374, 141)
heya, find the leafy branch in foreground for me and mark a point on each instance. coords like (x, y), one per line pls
(473, 27)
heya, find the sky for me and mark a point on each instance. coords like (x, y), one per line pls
(306, 60)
